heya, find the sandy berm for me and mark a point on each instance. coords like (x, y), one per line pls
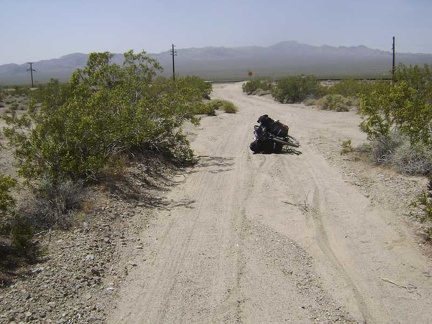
(279, 238)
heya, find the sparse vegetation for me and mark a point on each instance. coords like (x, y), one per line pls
(297, 88)
(228, 107)
(335, 102)
(424, 204)
(224, 105)
(7, 202)
(346, 147)
(254, 87)
(351, 88)
(53, 204)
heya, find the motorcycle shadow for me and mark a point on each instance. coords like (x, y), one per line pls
(290, 151)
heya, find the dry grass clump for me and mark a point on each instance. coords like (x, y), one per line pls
(225, 105)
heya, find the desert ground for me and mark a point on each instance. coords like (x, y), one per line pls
(310, 236)
(275, 238)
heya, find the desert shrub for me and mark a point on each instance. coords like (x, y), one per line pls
(346, 147)
(20, 91)
(297, 88)
(251, 87)
(412, 159)
(105, 109)
(397, 152)
(229, 107)
(352, 88)
(405, 105)
(384, 147)
(225, 105)
(335, 103)
(53, 204)
(424, 204)
(419, 78)
(21, 234)
(52, 94)
(7, 202)
(205, 109)
(11, 225)
(310, 102)
(199, 86)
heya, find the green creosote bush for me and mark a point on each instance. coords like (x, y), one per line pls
(295, 89)
(206, 109)
(405, 105)
(11, 224)
(351, 88)
(201, 87)
(335, 102)
(104, 109)
(257, 86)
(70, 132)
(7, 202)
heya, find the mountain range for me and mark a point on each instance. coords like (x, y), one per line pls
(221, 63)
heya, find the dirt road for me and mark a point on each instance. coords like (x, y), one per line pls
(278, 238)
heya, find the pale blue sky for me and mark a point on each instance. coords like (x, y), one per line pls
(33, 30)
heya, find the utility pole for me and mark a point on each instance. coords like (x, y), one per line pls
(31, 72)
(173, 53)
(394, 60)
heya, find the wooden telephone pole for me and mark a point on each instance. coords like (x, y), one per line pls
(173, 53)
(394, 59)
(31, 72)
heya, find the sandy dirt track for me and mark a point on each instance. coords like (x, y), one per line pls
(278, 238)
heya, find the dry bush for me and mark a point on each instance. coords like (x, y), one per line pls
(335, 102)
(412, 159)
(53, 204)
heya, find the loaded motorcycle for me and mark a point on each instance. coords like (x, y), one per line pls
(270, 136)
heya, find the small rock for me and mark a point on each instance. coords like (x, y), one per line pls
(25, 295)
(90, 257)
(95, 272)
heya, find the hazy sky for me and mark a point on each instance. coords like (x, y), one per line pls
(33, 30)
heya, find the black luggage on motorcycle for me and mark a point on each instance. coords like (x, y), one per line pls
(274, 127)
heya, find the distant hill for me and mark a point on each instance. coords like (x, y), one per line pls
(220, 63)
